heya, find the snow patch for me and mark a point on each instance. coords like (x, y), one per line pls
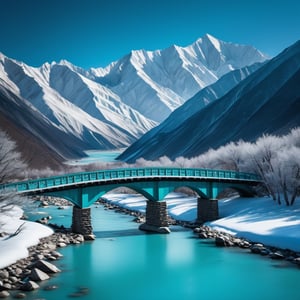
(15, 247)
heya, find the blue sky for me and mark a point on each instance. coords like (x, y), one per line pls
(93, 33)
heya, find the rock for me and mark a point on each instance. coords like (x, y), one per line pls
(89, 237)
(56, 254)
(276, 255)
(220, 241)
(18, 271)
(20, 296)
(4, 294)
(197, 230)
(39, 256)
(151, 228)
(202, 235)
(79, 238)
(46, 266)
(13, 279)
(50, 246)
(297, 261)
(6, 286)
(29, 286)
(265, 251)
(245, 245)
(4, 274)
(61, 245)
(38, 275)
(257, 248)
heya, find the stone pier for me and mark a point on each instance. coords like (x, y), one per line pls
(207, 210)
(156, 217)
(81, 222)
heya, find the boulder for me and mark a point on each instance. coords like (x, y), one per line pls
(6, 286)
(38, 275)
(220, 241)
(79, 238)
(257, 248)
(202, 235)
(276, 255)
(46, 267)
(20, 296)
(29, 286)
(89, 237)
(4, 294)
(56, 254)
(4, 274)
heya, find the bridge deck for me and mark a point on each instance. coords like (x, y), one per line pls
(104, 176)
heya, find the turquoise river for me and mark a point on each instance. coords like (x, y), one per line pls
(125, 263)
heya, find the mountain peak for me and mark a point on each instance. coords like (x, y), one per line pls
(211, 39)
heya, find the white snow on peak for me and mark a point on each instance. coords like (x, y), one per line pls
(214, 41)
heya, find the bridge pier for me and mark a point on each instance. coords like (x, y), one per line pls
(82, 223)
(156, 217)
(207, 210)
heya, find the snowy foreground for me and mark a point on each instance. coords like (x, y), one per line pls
(257, 219)
(14, 247)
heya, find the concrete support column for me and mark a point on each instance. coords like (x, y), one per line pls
(156, 217)
(207, 210)
(81, 222)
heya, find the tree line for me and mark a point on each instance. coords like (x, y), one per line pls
(275, 158)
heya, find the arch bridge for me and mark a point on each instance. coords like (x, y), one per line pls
(84, 188)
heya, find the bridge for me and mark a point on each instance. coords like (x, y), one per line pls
(84, 188)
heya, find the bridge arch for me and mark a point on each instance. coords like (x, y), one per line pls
(242, 190)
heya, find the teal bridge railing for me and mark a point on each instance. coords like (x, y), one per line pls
(84, 188)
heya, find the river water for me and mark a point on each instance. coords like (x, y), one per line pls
(126, 263)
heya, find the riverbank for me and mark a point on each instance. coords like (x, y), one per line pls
(261, 221)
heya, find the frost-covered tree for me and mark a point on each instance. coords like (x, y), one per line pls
(231, 156)
(262, 156)
(287, 173)
(207, 160)
(11, 167)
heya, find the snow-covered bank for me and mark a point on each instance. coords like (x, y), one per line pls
(261, 220)
(256, 219)
(16, 247)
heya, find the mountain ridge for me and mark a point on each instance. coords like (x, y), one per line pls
(109, 108)
(236, 115)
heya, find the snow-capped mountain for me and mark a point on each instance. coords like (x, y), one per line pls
(267, 101)
(155, 83)
(108, 108)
